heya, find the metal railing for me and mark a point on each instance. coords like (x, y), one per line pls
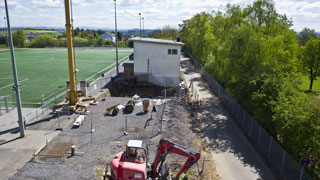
(5, 104)
(286, 165)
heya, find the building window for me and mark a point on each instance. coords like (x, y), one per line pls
(172, 51)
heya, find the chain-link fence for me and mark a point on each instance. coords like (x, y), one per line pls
(287, 166)
(45, 108)
(97, 86)
(5, 104)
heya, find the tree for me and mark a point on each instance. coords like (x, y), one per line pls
(100, 41)
(169, 32)
(42, 41)
(296, 118)
(100, 31)
(19, 38)
(253, 54)
(305, 35)
(119, 35)
(310, 60)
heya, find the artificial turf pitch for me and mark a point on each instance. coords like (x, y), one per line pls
(43, 73)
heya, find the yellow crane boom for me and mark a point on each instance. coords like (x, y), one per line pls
(72, 94)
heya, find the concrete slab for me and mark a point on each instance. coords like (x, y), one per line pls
(15, 152)
(9, 121)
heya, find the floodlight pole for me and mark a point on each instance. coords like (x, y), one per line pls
(15, 76)
(116, 29)
(140, 24)
(143, 26)
(5, 26)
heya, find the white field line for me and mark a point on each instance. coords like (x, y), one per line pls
(12, 84)
(59, 93)
(56, 60)
(80, 49)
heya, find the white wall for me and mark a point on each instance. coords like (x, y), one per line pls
(161, 65)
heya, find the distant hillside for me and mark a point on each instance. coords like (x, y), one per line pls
(62, 29)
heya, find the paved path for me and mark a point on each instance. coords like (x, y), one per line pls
(9, 121)
(15, 152)
(234, 156)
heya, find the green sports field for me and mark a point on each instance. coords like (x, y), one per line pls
(44, 72)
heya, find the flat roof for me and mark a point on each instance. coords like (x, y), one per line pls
(157, 41)
(136, 143)
(128, 63)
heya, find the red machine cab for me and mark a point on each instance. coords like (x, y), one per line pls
(132, 163)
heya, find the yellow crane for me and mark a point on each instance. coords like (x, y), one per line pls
(73, 100)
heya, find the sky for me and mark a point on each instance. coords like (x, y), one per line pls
(156, 13)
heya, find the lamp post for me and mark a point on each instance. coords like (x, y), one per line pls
(116, 29)
(15, 75)
(143, 26)
(5, 26)
(140, 23)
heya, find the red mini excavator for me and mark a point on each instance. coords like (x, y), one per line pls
(132, 163)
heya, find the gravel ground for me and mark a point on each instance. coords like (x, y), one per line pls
(108, 139)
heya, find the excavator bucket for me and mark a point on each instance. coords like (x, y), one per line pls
(164, 173)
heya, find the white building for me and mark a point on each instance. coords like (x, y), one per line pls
(108, 36)
(157, 61)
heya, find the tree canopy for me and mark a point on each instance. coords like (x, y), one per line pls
(255, 56)
(19, 38)
(305, 35)
(310, 60)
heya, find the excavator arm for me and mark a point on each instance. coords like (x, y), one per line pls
(165, 147)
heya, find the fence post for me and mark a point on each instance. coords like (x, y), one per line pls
(6, 104)
(244, 118)
(238, 111)
(42, 107)
(25, 123)
(126, 126)
(270, 143)
(301, 173)
(259, 136)
(233, 107)
(37, 114)
(59, 120)
(283, 158)
(101, 84)
(162, 115)
(251, 128)
(55, 99)
(92, 130)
